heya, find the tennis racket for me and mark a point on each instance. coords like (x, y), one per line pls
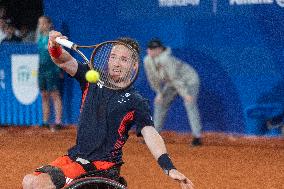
(116, 62)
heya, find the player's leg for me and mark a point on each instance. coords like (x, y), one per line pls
(55, 95)
(42, 181)
(190, 102)
(194, 120)
(28, 181)
(161, 108)
(44, 95)
(56, 175)
(45, 106)
(53, 87)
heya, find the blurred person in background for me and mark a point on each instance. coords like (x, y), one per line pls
(10, 34)
(27, 35)
(49, 76)
(168, 77)
(3, 26)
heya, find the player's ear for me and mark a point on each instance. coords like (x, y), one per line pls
(135, 65)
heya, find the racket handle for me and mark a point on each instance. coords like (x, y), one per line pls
(64, 42)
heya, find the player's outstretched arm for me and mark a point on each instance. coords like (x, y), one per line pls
(157, 147)
(60, 56)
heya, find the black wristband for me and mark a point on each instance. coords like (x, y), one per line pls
(166, 163)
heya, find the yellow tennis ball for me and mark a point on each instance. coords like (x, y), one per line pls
(92, 76)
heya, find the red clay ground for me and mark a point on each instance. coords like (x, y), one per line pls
(223, 162)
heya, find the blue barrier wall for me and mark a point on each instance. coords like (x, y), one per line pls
(238, 50)
(12, 111)
(236, 47)
(15, 112)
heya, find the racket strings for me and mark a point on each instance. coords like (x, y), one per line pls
(101, 63)
(115, 71)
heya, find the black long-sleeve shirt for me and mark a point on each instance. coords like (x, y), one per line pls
(106, 117)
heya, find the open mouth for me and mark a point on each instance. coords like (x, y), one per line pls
(115, 70)
(116, 75)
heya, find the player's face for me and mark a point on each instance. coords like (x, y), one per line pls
(154, 52)
(43, 24)
(120, 62)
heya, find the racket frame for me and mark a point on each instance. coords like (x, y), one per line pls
(76, 47)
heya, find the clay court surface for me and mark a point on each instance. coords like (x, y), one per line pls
(223, 162)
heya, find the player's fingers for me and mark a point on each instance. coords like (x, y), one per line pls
(180, 177)
(187, 181)
(188, 98)
(63, 37)
(54, 34)
(182, 186)
(52, 38)
(186, 185)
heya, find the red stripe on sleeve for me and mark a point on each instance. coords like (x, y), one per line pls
(84, 96)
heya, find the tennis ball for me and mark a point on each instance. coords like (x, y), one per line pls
(92, 76)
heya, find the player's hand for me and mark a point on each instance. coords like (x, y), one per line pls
(159, 99)
(189, 98)
(185, 183)
(52, 36)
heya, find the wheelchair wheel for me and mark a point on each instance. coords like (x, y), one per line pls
(94, 183)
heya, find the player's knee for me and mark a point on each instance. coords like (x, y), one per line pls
(44, 95)
(28, 181)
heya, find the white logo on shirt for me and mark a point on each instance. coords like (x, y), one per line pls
(100, 85)
(124, 98)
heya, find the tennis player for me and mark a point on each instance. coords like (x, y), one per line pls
(106, 117)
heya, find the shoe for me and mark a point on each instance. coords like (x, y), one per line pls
(45, 125)
(196, 142)
(53, 128)
(58, 126)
